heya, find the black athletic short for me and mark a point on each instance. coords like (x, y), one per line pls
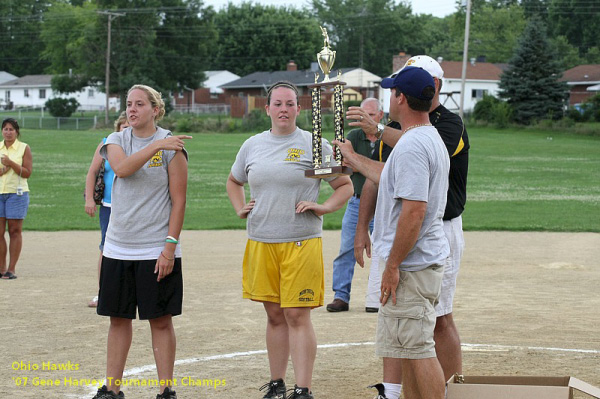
(125, 284)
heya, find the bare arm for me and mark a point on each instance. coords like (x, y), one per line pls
(366, 210)
(125, 166)
(367, 167)
(24, 169)
(237, 197)
(409, 224)
(390, 136)
(177, 191)
(90, 180)
(342, 191)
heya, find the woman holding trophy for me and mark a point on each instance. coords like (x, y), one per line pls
(283, 261)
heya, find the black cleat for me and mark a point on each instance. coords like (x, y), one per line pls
(380, 391)
(104, 393)
(275, 389)
(300, 393)
(167, 394)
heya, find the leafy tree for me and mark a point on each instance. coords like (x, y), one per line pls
(161, 43)
(68, 83)
(535, 7)
(66, 33)
(593, 55)
(577, 20)
(253, 37)
(494, 31)
(567, 55)
(530, 84)
(368, 33)
(62, 107)
(20, 24)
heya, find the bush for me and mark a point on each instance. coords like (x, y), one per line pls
(256, 121)
(62, 107)
(502, 114)
(578, 114)
(594, 107)
(494, 111)
(483, 110)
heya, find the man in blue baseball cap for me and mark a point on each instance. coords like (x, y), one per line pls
(454, 134)
(409, 237)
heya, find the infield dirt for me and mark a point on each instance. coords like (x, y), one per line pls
(526, 304)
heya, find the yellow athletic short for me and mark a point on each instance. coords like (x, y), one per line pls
(289, 273)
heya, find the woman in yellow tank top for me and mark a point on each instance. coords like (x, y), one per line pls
(15, 169)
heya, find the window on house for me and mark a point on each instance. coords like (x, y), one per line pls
(26, 93)
(478, 93)
(42, 93)
(181, 94)
(214, 96)
(90, 93)
(7, 95)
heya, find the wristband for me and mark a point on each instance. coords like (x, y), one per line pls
(172, 240)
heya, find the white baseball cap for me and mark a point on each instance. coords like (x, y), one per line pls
(427, 63)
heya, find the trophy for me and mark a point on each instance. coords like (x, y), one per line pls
(326, 58)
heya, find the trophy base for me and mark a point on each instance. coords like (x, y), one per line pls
(330, 171)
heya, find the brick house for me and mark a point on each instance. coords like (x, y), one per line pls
(583, 81)
(208, 98)
(249, 92)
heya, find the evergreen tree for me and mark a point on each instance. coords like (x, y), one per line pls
(530, 84)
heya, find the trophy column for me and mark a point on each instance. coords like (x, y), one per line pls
(325, 169)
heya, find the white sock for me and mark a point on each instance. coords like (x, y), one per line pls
(392, 391)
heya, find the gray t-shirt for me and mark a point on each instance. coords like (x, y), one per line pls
(417, 170)
(141, 204)
(274, 166)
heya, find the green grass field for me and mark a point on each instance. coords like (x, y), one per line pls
(518, 180)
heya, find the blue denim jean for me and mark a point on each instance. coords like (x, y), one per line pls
(343, 265)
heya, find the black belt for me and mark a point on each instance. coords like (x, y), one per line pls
(357, 196)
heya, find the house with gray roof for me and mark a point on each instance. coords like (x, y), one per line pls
(5, 76)
(32, 91)
(360, 82)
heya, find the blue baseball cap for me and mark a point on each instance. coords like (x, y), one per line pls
(411, 81)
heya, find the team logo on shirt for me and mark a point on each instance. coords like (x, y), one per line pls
(156, 160)
(293, 155)
(306, 295)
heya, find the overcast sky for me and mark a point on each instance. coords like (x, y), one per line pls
(439, 8)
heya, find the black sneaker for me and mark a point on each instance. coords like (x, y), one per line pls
(300, 393)
(167, 394)
(380, 391)
(104, 393)
(275, 389)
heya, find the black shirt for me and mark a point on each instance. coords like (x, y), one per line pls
(454, 134)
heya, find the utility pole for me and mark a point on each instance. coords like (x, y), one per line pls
(465, 56)
(111, 16)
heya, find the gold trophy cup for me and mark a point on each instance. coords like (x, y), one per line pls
(326, 57)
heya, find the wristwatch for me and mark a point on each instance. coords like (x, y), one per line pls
(380, 128)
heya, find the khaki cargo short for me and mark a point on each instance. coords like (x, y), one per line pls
(405, 330)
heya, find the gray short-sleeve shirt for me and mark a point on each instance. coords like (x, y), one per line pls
(417, 170)
(141, 204)
(274, 166)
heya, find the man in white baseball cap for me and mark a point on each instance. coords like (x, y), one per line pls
(427, 63)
